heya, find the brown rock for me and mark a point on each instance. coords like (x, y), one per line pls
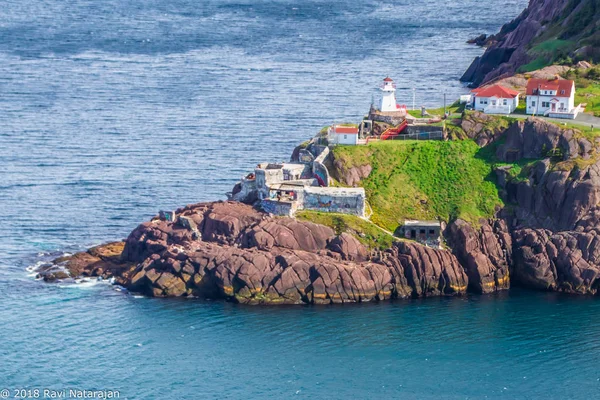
(485, 252)
(349, 247)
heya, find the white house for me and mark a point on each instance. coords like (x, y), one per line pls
(552, 97)
(495, 99)
(338, 134)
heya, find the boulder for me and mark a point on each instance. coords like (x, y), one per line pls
(350, 248)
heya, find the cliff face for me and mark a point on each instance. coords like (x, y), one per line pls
(547, 31)
(232, 251)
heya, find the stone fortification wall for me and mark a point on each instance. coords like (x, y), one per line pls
(351, 201)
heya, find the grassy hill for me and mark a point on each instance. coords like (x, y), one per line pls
(423, 180)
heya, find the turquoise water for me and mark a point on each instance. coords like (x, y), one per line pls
(110, 111)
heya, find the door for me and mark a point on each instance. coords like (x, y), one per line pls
(553, 106)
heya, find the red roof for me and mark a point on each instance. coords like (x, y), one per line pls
(559, 85)
(347, 130)
(497, 91)
(388, 79)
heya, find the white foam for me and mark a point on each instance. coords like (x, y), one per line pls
(84, 283)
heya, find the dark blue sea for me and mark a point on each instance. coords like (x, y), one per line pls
(111, 110)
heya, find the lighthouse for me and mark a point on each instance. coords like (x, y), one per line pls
(388, 95)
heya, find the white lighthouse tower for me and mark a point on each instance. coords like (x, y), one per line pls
(388, 95)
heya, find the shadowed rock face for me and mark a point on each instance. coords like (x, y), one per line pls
(561, 197)
(564, 261)
(234, 252)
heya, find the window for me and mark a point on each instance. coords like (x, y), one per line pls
(432, 232)
(562, 92)
(480, 101)
(345, 136)
(505, 102)
(533, 104)
(493, 102)
(422, 231)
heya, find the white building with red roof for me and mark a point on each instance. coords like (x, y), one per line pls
(495, 99)
(551, 97)
(339, 134)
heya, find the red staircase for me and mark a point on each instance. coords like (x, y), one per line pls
(391, 133)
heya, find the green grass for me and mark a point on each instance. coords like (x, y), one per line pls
(522, 108)
(424, 180)
(551, 47)
(587, 91)
(587, 88)
(538, 63)
(455, 109)
(367, 233)
(591, 134)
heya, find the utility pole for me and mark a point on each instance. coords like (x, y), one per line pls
(444, 104)
(537, 105)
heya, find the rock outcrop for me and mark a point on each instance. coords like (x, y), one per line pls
(101, 261)
(484, 251)
(535, 138)
(564, 261)
(560, 197)
(229, 250)
(482, 128)
(510, 49)
(351, 176)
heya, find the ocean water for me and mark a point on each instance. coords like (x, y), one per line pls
(111, 110)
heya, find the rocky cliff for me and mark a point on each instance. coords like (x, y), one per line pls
(232, 251)
(545, 238)
(547, 31)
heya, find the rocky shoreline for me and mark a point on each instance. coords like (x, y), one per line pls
(547, 239)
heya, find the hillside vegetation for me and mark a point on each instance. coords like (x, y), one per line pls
(587, 85)
(367, 233)
(423, 180)
(572, 35)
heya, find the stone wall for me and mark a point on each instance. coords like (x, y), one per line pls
(278, 207)
(352, 201)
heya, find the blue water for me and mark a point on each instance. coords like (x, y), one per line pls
(111, 110)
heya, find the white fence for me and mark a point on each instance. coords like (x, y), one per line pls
(572, 114)
(498, 109)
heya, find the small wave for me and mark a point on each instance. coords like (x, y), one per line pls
(84, 283)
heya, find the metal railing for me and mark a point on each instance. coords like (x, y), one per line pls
(439, 135)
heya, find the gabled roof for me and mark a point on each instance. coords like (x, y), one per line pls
(497, 91)
(550, 84)
(388, 79)
(349, 130)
